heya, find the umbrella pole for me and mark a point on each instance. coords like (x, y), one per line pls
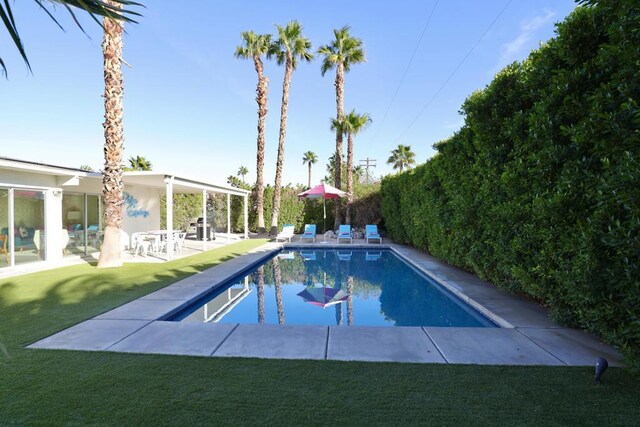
(324, 220)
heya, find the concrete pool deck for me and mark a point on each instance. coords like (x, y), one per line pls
(527, 335)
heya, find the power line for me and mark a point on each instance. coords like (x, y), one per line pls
(415, 50)
(454, 71)
(368, 163)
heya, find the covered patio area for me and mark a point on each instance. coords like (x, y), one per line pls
(134, 213)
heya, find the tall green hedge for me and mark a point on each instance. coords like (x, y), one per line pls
(291, 210)
(539, 192)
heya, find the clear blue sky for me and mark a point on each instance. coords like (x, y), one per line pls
(189, 104)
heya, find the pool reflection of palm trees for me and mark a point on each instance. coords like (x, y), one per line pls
(350, 301)
(309, 279)
(338, 306)
(261, 317)
(278, 285)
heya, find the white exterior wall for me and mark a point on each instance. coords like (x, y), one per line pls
(19, 178)
(141, 209)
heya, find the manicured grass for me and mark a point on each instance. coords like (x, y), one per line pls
(72, 387)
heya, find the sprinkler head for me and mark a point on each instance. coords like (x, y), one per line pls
(601, 366)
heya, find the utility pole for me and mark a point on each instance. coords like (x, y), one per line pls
(368, 163)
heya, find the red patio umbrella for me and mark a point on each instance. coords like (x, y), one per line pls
(322, 191)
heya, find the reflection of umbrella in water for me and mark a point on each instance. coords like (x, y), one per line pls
(324, 297)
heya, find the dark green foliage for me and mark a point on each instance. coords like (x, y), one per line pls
(186, 209)
(314, 214)
(291, 210)
(366, 209)
(539, 192)
(237, 205)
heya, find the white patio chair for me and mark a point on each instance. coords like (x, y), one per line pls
(141, 245)
(178, 240)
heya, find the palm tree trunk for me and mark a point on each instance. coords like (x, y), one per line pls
(261, 99)
(277, 193)
(110, 252)
(339, 84)
(309, 175)
(349, 177)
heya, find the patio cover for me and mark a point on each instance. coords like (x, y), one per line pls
(174, 184)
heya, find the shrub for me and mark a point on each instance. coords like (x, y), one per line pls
(539, 192)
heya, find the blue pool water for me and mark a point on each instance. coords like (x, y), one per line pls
(334, 287)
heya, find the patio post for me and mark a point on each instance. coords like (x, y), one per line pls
(228, 217)
(11, 226)
(205, 234)
(169, 195)
(246, 216)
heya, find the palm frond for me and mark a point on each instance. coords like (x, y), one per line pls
(94, 8)
(7, 19)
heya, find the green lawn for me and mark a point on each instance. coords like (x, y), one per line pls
(72, 387)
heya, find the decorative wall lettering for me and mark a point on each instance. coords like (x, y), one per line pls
(131, 207)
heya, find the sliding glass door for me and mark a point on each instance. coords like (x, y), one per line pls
(28, 226)
(73, 223)
(94, 223)
(4, 227)
(22, 213)
(81, 220)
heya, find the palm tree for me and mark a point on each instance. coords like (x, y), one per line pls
(358, 171)
(242, 172)
(309, 158)
(331, 165)
(114, 18)
(138, 163)
(255, 46)
(95, 8)
(353, 124)
(341, 53)
(290, 46)
(402, 157)
(110, 253)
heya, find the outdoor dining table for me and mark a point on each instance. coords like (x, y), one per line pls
(153, 237)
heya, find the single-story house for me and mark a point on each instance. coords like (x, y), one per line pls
(48, 212)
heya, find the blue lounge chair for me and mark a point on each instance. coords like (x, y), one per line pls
(373, 256)
(309, 232)
(371, 232)
(344, 232)
(308, 256)
(287, 255)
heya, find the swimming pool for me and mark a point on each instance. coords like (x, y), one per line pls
(352, 287)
